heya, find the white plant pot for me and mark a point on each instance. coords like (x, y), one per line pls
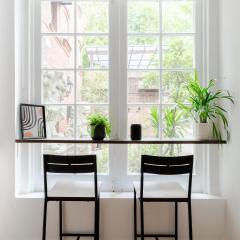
(203, 131)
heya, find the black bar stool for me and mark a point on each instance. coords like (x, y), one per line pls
(71, 190)
(163, 192)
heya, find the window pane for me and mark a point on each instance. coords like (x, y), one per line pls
(178, 52)
(134, 155)
(143, 16)
(143, 52)
(92, 87)
(61, 149)
(92, 52)
(102, 152)
(92, 17)
(57, 52)
(176, 123)
(83, 112)
(147, 116)
(176, 149)
(57, 16)
(60, 121)
(178, 16)
(143, 87)
(58, 87)
(174, 86)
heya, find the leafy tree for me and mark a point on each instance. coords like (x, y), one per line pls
(93, 87)
(151, 80)
(177, 16)
(143, 17)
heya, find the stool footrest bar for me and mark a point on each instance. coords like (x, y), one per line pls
(158, 235)
(78, 234)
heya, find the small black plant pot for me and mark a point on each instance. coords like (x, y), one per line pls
(98, 132)
(136, 132)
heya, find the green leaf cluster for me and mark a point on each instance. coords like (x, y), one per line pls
(204, 104)
(97, 119)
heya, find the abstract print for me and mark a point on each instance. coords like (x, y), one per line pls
(32, 121)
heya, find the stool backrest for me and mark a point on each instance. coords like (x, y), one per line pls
(167, 166)
(69, 165)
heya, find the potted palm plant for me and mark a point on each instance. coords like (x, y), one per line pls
(204, 106)
(99, 126)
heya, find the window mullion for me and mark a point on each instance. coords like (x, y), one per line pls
(114, 91)
(160, 72)
(75, 72)
(118, 90)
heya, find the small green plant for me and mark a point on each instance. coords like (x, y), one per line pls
(97, 119)
(204, 104)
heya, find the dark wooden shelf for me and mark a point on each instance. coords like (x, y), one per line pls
(144, 141)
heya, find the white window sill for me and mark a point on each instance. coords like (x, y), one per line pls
(118, 195)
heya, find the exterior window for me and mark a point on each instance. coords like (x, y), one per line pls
(126, 59)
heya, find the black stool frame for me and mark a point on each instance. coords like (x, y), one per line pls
(74, 165)
(164, 166)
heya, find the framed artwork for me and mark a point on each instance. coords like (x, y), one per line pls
(33, 122)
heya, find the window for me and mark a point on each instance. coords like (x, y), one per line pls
(161, 36)
(126, 59)
(74, 72)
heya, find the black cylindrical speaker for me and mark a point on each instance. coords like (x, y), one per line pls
(136, 131)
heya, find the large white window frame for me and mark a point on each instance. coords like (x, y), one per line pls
(118, 178)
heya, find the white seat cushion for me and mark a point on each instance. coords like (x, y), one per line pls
(73, 189)
(161, 190)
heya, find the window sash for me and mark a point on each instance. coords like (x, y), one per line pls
(118, 178)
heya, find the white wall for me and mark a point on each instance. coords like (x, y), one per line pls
(230, 79)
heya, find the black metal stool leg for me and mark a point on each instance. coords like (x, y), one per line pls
(98, 226)
(44, 220)
(135, 215)
(60, 220)
(96, 223)
(142, 219)
(176, 220)
(190, 220)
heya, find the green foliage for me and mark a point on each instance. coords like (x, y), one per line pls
(155, 119)
(179, 52)
(142, 17)
(151, 80)
(93, 86)
(175, 85)
(173, 123)
(174, 128)
(94, 16)
(97, 119)
(86, 42)
(205, 104)
(177, 16)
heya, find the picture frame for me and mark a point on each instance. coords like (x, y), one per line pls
(32, 121)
